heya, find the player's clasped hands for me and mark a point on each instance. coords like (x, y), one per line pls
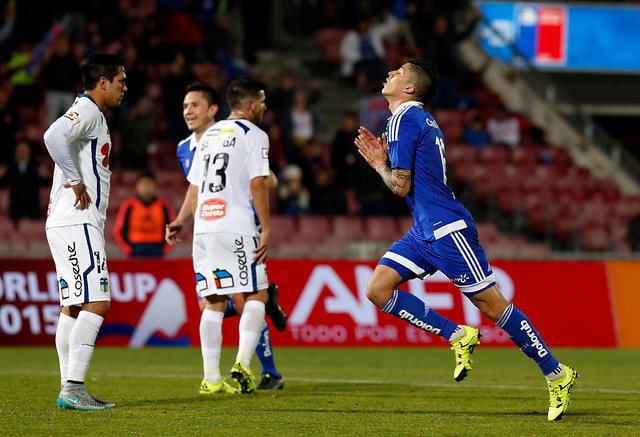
(372, 149)
(82, 197)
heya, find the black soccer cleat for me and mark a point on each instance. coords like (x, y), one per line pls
(270, 382)
(277, 315)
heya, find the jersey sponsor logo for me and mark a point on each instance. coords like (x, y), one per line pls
(227, 131)
(223, 279)
(535, 341)
(75, 266)
(213, 209)
(242, 261)
(49, 207)
(73, 116)
(265, 153)
(201, 281)
(64, 288)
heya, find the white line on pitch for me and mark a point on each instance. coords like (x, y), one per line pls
(324, 381)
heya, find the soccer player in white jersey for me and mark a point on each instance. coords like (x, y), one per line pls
(228, 180)
(410, 159)
(79, 143)
(199, 109)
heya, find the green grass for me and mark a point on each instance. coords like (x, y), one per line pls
(332, 392)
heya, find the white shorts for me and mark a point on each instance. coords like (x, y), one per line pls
(81, 264)
(224, 264)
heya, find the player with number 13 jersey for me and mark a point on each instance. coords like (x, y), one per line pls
(231, 152)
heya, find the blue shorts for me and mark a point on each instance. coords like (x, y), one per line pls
(458, 255)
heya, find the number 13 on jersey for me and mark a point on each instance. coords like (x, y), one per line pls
(218, 166)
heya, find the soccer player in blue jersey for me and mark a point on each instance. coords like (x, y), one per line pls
(199, 110)
(410, 159)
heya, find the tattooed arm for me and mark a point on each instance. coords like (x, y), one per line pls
(374, 151)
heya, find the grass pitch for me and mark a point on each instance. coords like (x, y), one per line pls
(328, 392)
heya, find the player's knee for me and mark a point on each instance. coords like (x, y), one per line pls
(378, 294)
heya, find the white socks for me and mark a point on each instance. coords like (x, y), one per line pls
(65, 323)
(82, 338)
(250, 329)
(211, 343)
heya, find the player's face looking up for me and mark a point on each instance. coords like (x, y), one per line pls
(114, 90)
(397, 81)
(197, 113)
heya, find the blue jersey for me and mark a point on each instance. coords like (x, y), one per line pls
(186, 149)
(416, 143)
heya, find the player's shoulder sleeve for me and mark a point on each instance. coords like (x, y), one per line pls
(194, 169)
(82, 121)
(258, 152)
(403, 134)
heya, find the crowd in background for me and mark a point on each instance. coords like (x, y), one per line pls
(168, 44)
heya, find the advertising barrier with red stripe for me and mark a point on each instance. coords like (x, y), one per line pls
(571, 303)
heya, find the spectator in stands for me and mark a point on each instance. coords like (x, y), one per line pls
(324, 196)
(474, 133)
(633, 234)
(281, 98)
(140, 225)
(177, 33)
(9, 126)
(173, 87)
(440, 44)
(300, 123)
(59, 76)
(26, 90)
(353, 174)
(138, 128)
(293, 197)
(362, 51)
(503, 128)
(137, 78)
(24, 176)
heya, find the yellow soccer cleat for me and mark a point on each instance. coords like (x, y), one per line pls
(243, 376)
(560, 391)
(463, 348)
(210, 388)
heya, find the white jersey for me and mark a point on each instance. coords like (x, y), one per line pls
(230, 155)
(79, 143)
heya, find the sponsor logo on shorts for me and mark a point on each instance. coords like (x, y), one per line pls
(462, 279)
(535, 341)
(241, 255)
(223, 279)
(64, 288)
(406, 315)
(213, 209)
(201, 282)
(104, 284)
(75, 266)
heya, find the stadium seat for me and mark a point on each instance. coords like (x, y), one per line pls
(487, 233)
(313, 228)
(404, 224)
(595, 238)
(330, 39)
(283, 228)
(381, 228)
(348, 227)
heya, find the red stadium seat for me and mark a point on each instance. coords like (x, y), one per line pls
(381, 228)
(330, 39)
(348, 227)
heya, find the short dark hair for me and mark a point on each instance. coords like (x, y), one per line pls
(208, 92)
(425, 78)
(100, 65)
(243, 88)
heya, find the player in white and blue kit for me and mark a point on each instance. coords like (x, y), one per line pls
(199, 109)
(80, 144)
(410, 159)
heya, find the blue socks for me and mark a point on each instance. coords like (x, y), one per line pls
(523, 334)
(407, 307)
(264, 351)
